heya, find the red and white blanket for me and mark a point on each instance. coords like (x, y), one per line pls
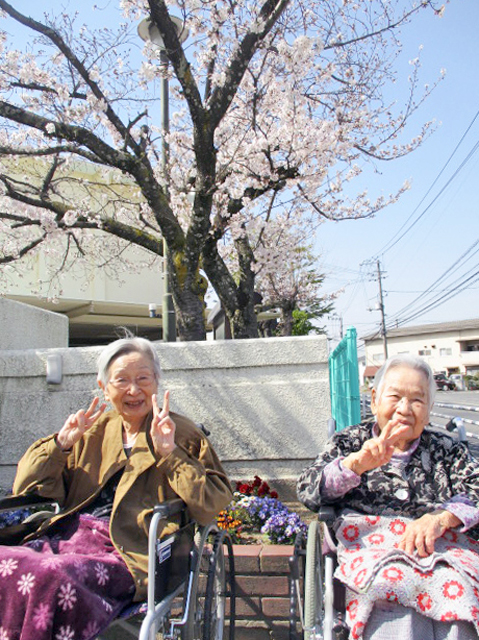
(443, 586)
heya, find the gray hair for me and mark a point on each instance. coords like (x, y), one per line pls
(122, 347)
(413, 362)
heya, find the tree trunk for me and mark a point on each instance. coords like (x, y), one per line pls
(243, 322)
(287, 321)
(188, 294)
(190, 322)
(238, 300)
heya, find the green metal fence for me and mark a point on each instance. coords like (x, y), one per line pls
(344, 381)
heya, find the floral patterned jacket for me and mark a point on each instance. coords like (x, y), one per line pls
(438, 470)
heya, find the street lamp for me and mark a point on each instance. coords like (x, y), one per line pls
(150, 33)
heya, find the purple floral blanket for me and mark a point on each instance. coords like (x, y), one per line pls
(443, 586)
(67, 586)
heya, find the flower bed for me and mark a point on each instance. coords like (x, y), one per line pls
(263, 530)
(256, 515)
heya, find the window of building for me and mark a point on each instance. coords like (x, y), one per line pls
(424, 352)
(445, 351)
(378, 357)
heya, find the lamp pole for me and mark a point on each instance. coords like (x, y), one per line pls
(169, 316)
(149, 33)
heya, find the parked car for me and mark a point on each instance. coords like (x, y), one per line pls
(443, 382)
(473, 384)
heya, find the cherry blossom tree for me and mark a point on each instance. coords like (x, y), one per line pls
(287, 273)
(277, 107)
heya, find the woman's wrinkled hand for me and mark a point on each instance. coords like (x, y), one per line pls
(163, 427)
(77, 423)
(421, 534)
(376, 452)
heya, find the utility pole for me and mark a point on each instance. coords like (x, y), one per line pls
(381, 308)
(339, 317)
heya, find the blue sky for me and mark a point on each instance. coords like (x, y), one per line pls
(450, 223)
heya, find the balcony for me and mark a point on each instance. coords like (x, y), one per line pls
(469, 358)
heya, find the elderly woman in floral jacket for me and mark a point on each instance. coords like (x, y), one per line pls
(407, 495)
(107, 470)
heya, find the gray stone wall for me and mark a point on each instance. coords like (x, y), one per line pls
(266, 402)
(23, 326)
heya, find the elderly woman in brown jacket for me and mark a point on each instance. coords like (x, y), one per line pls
(107, 470)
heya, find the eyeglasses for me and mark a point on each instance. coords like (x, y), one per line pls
(142, 382)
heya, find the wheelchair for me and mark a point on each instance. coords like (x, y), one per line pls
(317, 598)
(191, 576)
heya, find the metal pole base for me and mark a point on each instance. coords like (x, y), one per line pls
(169, 319)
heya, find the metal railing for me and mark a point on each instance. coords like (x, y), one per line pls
(344, 382)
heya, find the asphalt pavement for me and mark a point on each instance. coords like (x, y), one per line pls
(458, 404)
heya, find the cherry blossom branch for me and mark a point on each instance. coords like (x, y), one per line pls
(62, 46)
(222, 96)
(104, 154)
(390, 26)
(24, 250)
(73, 133)
(35, 86)
(106, 223)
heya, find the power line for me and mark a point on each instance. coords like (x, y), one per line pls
(461, 166)
(447, 295)
(445, 298)
(395, 239)
(444, 276)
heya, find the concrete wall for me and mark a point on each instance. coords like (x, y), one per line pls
(266, 402)
(25, 327)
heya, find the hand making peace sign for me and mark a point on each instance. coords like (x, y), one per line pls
(162, 427)
(77, 423)
(376, 451)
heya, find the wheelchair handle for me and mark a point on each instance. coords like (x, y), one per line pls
(327, 514)
(169, 508)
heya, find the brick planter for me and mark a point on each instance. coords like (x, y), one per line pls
(262, 590)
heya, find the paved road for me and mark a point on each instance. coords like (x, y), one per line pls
(451, 404)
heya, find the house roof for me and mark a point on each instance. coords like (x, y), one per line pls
(438, 327)
(370, 371)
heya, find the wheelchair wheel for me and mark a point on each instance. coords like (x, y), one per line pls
(313, 585)
(218, 586)
(296, 593)
(193, 629)
(212, 584)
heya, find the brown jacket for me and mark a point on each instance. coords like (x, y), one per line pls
(192, 472)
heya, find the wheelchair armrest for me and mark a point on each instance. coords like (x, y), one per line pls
(327, 514)
(169, 508)
(28, 500)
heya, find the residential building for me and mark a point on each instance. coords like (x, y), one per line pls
(449, 347)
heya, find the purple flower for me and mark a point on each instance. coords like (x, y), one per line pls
(274, 519)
